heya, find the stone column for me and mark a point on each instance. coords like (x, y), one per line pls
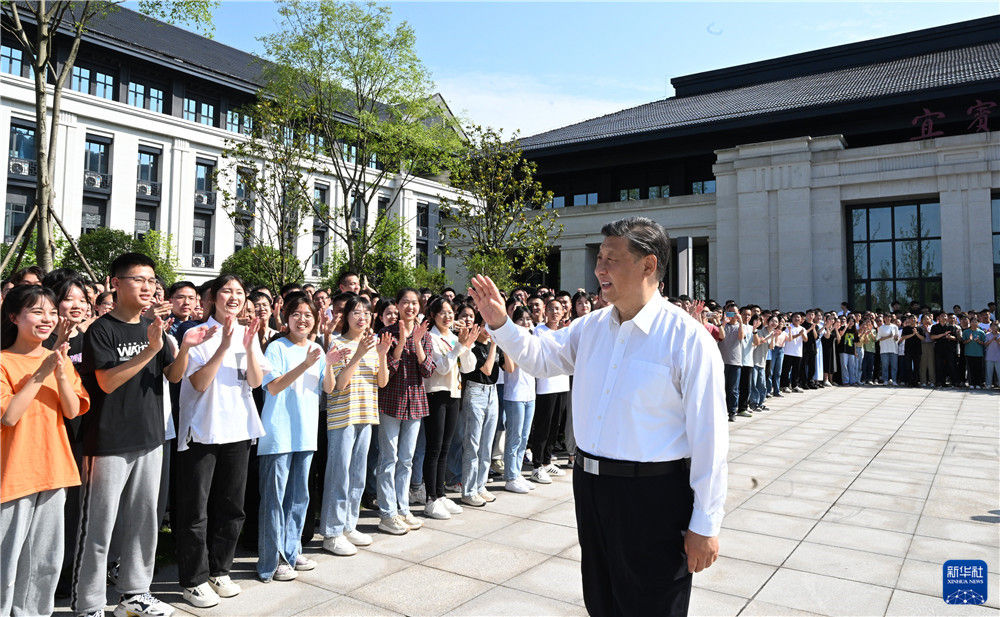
(124, 170)
(574, 265)
(685, 265)
(967, 246)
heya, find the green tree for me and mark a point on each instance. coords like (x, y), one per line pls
(262, 265)
(101, 246)
(355, 87)
(36, 24)
(501, 219)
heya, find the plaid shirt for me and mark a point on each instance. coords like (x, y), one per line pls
(404, 397)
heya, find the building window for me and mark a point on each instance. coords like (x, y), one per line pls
(703, 187)
(350, 153)
(206, 115)
(203, 177)
(22, 143)
(319, 250)
(94, 215)
(80, 79)
(191, 110)
(145, 220)
(96, 158)
(699, 267)
(628, 194)
(155, 100)
(136, 94)
(149, 167)
(202, 240)
(104, 86)
(659, 191)
(11, 61)
(584, 199)
(383, 204)
(199, 111)
(558, 202)
(894, 253)
(19, 204)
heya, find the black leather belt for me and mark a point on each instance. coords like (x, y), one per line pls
(600, 466)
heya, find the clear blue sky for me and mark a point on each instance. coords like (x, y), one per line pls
(538, 66)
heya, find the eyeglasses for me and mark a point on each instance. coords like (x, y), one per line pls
(360, 313)
(139, 280)
(301, 316)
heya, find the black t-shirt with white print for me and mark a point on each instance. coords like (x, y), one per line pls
(131, 417)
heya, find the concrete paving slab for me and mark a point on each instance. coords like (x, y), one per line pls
(872, 517)
(906, 603)
(825, 595)
(408, 591)
(487, 561)
(756, 547)
(734, 577)
(706, 603)
(501, 601)
(844, 563)
(550, 538)
(345, 606)
(861, 538)
(556, 578)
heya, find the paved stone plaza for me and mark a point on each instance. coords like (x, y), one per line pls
(843, 501)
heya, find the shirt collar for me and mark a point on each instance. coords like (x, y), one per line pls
(644, 318)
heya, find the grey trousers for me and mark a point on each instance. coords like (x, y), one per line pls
(118, 502)
(31, 529)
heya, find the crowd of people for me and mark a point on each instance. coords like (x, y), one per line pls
(131, 405)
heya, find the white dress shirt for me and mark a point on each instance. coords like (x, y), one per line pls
(650, 389)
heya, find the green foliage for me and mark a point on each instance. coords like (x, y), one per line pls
(504, 219)
(412, 276)
(101, 246)
(196, 14)
(262, 265)
(354, 83)
(30, 256)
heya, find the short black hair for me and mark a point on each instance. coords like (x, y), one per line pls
(179, 285)
(347, 273)
(645, 237)
(126, 261)
(288, 288)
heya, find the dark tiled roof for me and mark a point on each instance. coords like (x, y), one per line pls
(905, 75)
(177, 46)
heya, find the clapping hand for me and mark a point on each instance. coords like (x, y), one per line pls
(312, 356)
(155, 332)
(197, 336)
(250, 332)
(53, 361)
(157, 309)
(420, 330)
(63, 330)
(336, 355)
(228, 326)
(468, 336)
(384, 343)
(365, 345)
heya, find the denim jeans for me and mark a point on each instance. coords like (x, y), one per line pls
(848, 364)
(417, 477)
(344, 482)
(889, 364)
(397, 439)
(481, 409)
(732, 374)
(777, 355)
(519, 415)
(284, 499)
(758, 387)
(866, 363)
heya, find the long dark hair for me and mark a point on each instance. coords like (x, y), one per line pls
(63, 290)
(349, 306)
(383, 304)
(220, 282)
(16, 300)
(436, 306)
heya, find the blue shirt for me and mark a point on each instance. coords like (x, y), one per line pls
(291, 417)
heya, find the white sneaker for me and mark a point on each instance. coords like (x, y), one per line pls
(541, 476)
(515, 486)
(411, 521)
(553, 470)
(450, 506)
(304, 564)
(202, 596)
(393, 525)
(487, 496)
(285, 572)
(224, 586)
(436, 510)
(473, 500)
(339, 545)
(142, 605)
(827, 383)
(357, 538)
(453, 488)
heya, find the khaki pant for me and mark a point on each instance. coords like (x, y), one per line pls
(927, 363)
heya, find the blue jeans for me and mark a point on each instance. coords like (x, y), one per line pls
(418, 458)
(518, 420)
(344, 482)
(481, 409)
(848, 366)
(397, 440)
(777, 355)
(284, 499)
(889, 365)
(732, 374)
(758, 387)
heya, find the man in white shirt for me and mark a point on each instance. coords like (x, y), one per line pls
(649, 417)
(888, 334)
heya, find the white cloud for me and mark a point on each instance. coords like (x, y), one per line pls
(511, 102)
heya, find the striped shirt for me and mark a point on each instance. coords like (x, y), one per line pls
(358, 402)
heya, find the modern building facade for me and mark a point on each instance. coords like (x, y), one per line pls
(865, 172)
(145, 118)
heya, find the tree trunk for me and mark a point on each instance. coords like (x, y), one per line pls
(43, 189)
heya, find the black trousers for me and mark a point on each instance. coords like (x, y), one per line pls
(317, 474)
(633, 565)
(545, 427)
(945, 367)
(791, 371)
(439, 428)
(977, 373)
(808, 365)
(743, 401)
(209, 510)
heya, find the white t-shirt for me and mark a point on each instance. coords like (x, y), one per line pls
(746, 345)
(520, 386)
(225, 411)
(548, 385)
(889, 344)
(793, 346)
